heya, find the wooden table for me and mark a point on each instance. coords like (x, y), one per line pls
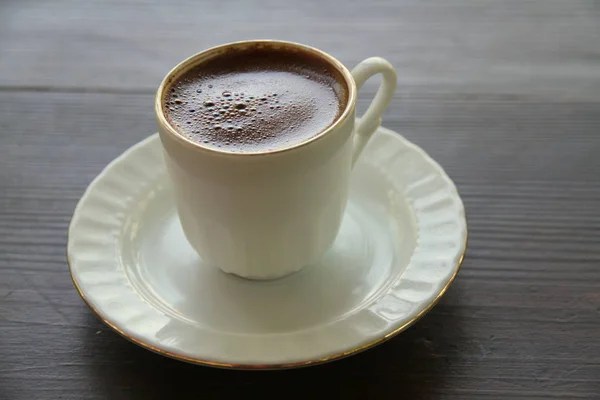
(504, 94)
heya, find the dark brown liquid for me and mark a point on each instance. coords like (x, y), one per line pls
(256, 100)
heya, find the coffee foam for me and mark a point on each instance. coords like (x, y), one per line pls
(258, 100)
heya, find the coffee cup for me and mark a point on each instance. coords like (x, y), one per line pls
(269, 201)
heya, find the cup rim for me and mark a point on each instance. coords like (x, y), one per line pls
(191, 61)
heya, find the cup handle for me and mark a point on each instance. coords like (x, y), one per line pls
(370, 121)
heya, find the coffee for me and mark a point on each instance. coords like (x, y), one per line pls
(256, 100)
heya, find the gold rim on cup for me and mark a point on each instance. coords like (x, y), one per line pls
(212, 52)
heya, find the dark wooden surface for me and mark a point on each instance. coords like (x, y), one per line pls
(504, 94)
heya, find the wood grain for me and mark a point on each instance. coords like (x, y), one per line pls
(534, 47)
(505, 95)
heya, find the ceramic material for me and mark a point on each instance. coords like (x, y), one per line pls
(265, 215)
(400, 245)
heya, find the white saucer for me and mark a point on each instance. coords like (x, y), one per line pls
(401, 244)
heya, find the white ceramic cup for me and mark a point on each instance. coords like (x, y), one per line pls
(264, 215)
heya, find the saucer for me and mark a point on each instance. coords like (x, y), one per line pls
(400, 246)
